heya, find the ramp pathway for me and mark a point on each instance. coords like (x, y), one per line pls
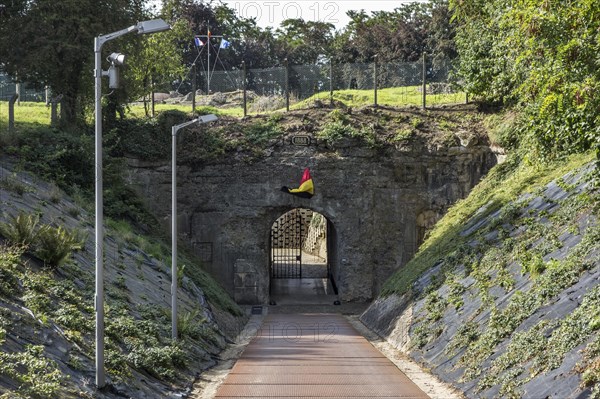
(314, 356)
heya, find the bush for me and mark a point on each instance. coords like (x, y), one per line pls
(261, 133)
(160, 361)
(190, 324)
(55, 244)
(332, 132)
(21, 229)
(12, 184)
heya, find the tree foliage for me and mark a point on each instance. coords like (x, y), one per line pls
(400, 35)
(540, 55)
(50, 42)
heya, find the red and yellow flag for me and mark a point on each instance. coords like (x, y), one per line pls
(306, 189)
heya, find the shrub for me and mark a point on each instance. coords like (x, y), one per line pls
(12, 184)
(157, 360)
(21, 229)
(261, 133)
(55, 244)
(332, 132)
(190, 324)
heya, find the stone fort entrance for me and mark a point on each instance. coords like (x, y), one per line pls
(377, 203)
(299, 267)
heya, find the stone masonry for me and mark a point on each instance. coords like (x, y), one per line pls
(377, 202)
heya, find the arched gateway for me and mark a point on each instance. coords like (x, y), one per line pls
(377, 203)
(299, 268)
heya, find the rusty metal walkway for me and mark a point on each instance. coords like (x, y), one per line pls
(314, 356)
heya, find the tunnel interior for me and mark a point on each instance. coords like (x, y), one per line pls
(300, 267)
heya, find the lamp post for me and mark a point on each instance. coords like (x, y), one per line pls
(174, 130)
(152, 26)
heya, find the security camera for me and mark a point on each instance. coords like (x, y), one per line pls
(114, 77)
(116, 59)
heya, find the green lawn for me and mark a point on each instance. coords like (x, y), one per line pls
(137, 110)
(27, 112)
(39, 114)
(395, 97)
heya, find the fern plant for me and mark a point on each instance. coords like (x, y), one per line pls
(55, 244)
(21, 229)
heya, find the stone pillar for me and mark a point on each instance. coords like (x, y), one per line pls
(245, 283)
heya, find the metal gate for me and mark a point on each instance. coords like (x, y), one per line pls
(287, 237)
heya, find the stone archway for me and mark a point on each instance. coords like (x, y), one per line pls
(229, 207)
(299, 267)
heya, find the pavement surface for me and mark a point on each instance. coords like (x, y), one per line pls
(314, 356)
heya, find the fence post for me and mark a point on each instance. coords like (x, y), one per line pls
(331, 82)
(152, 102)
(244, 84)
(424, 89)
(11, 112)
(18, 92)
(54, 109)
(375, 75)
(287, 85)
(466, 97)
(194, 88)
(53, 113)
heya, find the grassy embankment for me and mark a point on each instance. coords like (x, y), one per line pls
(516, 262)
(39, 114)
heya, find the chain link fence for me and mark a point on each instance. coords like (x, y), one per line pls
(276, 88)
(26, 93)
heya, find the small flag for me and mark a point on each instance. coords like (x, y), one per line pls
(208, 33)
(306, 189)
(198, 42)
(225, 44)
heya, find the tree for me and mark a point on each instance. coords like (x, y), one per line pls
(540, 56)
(400, 35)
(302, 42)
(157, 58)
(49, 42)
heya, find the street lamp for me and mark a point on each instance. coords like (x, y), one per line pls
(174, 129)
(152, 26)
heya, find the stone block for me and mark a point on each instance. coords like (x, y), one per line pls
(250, 280)
(246, 295)
(238, 280)
(244, 266)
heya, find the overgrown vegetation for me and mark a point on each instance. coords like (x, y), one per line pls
(137, 335)
(492, 239)
(35, 375)
(53, 245)
(445, 241)
(540, 57)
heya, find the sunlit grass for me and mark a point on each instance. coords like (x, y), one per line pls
(39, 113)
(137, 110)
(503, 184)
(394, 97)
(25, 113)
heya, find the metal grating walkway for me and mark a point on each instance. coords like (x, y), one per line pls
(314, 356)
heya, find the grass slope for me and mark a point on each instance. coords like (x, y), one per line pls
(504, 289)
(47, 308)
